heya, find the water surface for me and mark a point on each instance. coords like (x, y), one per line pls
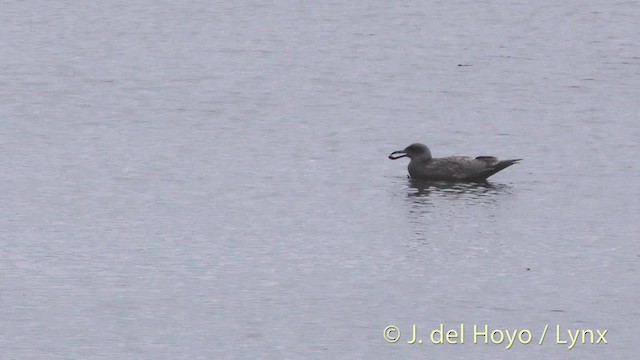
(210, 180)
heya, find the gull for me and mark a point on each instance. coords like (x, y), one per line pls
(453, 168)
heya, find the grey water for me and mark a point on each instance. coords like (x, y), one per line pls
(209, 180)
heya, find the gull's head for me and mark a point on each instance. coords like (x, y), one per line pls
(412, 151)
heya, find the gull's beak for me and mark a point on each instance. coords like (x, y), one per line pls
(397, 152)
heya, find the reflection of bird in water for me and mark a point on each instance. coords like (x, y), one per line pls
(437, 202)
(474, 193)
(424, 187)
(453, 168)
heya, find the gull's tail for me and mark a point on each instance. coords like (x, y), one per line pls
(501, 165)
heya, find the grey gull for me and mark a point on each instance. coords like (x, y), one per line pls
(453, 168)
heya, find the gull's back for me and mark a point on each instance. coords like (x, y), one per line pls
(457, 168)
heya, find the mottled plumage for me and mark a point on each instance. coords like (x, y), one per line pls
(453, 168)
